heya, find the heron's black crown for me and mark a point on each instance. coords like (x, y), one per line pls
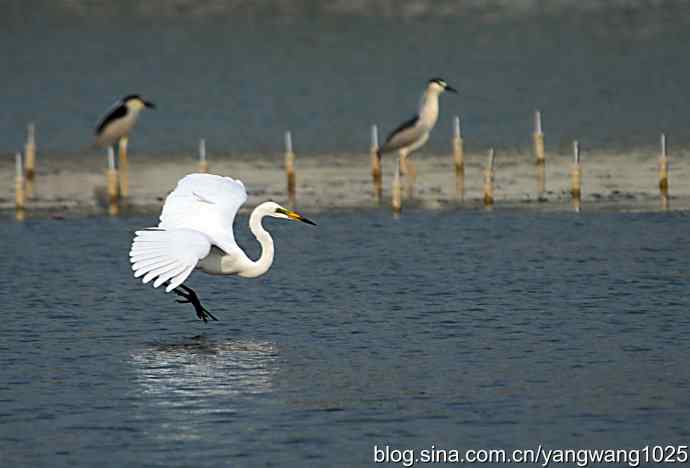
(438, 81)
(130, 97)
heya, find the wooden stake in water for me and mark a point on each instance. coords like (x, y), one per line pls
(396, 191)
(458, 160)
(123, 167)
(290, 168)
(203, 162)
(376, 164)
(30, 153)
(540, 158)
(113, 184)
(19, 188)
(489, 173)
(576, 176)
(663, 171)
(538, 139)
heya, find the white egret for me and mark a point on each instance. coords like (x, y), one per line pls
(196, 231)
(118, 122)
(413, 133)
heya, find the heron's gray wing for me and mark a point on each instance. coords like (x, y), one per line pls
(406, 134)
(117, 112)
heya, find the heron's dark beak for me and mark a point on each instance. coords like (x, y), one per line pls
(149, 104)
(451, 89)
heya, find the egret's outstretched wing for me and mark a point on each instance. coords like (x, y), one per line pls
(406, 134)
(206, 203)
(167, 255)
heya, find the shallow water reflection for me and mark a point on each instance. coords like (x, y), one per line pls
(178, 382)
(174, 373)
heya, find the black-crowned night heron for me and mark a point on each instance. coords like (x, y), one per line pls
(413, 133)
(119, 121)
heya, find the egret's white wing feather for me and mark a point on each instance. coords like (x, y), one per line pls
(206, 203)
(156, 272)
(144, 257)
(160, 261)
(169, 275)
(176, 253)
(146, 264)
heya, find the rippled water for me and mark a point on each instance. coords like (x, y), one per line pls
(462, 329)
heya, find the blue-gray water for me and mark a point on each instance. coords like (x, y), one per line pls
(239, 77)
(461, 329)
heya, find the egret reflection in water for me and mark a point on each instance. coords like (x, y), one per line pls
(192, 373)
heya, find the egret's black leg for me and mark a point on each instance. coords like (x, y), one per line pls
(190, 297)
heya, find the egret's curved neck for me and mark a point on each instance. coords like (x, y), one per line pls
(261, 266)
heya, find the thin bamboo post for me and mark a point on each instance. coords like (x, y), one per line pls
(663, 171)
(489, 173)
(123, 167)
(113, 184)
(458, 160)
(576, 173)
(541, 182)
(538, 139)
(203, 162)
(19, 188)
(540, 158)
(376, 164)
(396, 191)
(576, 177)
(290, 168)
(30, 154)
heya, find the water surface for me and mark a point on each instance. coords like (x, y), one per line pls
(462, 329)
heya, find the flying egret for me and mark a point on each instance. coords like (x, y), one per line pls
(412, 134)
(118, 122)
(196, 231)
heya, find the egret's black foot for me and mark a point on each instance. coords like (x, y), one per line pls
(190, 297)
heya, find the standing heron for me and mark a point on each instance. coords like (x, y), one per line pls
(120, 120)
(196, 231)
(115, 128)
(412, 134)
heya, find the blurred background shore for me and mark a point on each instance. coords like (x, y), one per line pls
(620, 181)
(239, 74)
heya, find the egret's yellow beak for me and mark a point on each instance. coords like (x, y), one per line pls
(297, 217)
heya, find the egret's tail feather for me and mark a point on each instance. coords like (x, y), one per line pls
(167, 255)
